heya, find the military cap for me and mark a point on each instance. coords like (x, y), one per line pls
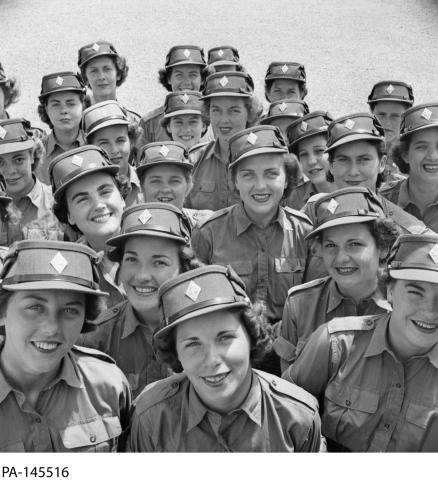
(15, 135)
(289, 107)
(391, 91)
(2, 74)
(61, 82)
(96, 49)
(255, 141)
(185, 55)
(70, 166)
(419, 118)
(199, 292)
(414, 257)
(353, 127)
(224, 55)
(228, 84)
(101, 115)
(163, 153)
(182, 103)
(286, 70)
(314, 123)
(344, 207)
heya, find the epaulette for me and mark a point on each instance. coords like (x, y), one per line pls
(197, 147)
(390, 186)
(91, 352)
(403, 219)
(158, 391)
(136, 115)
(279, 385)
(315, 197)
(298, 214)
(109, 314)
(152, 114)
(307, 285)
(345, 324)
(217, 214)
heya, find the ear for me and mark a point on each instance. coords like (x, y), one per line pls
(404, 156)
(389, 290)
(382, 163)
(70, 221)
(168, 130)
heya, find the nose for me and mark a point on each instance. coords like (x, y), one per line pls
(50, 324)
(353, 170)
(260, 183)
(433, 153)
(313, 160)
(212, 358)
(143, 274)
(341, 256)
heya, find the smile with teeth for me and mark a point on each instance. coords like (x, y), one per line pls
(345, 270)
(261, 197)
(165, 199)
(431, 167)
(429, 327)
(46, 346)
(315, 170)
(186, 137)
(144, 290)
(215, 379)
(101, 218)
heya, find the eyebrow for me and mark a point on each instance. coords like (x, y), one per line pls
(414, 285)
(32, 296)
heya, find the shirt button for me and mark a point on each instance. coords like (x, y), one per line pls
(347, 402)
(174, 385)
(387, 425)
(369, 322)
(398, 385)
(274, 383)
(38, 420)
(92, 438)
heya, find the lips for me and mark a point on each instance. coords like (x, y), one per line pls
(45, 347)
(315, 171)
(144, 290)
(425, 327)
(354, 183)
(260, 197)
(430, 167)
(346, 270)
(225, 130)
(215, 380)
(101, 218)
(165, 199)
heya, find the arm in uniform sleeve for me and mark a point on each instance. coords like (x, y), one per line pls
(125, 409)
(202, 244)
(139, 439)
(286, 342)
(314, 442)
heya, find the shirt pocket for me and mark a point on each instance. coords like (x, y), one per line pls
(203, 195)
(97, 435)
(288, 272)
(245, 270)
(12, 446)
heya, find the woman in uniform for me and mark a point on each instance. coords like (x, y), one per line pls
(377, 376)
(61, 103)
(107, 126)
(219, 403)
(284, 112)
(9, 92)
(87, 197)
(355, 239)
(285, 80)
(54, 396)
(152, 247)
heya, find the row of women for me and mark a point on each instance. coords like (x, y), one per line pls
(162, 273)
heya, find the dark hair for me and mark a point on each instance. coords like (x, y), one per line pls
(205, 120)
(164, 75)
(252, 104)
(121, 68)
(399, 148)
(11, 90)
(252, 319)
(301, 85)
(42, 112)
(381, 151)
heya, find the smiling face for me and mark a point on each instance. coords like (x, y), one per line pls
(16, 169)
(422, 157)
(357, 164)
(114, 140)
(313, 160)
(147, 262)
(228, 115)
(102, 77)
(389, 115)
(64, 110)
(214, 351)
(95, 205)
(185, 77)
(165, 183)
(283, 88)
(351, 257)
(414, 319)
(186, 129)
(41, 327)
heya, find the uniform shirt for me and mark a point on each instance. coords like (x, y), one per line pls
(269, 260)
(300, 194)
(133, 194)
(398, 193)
(84, 409)
(372, 401)
(310, 305)
(212, 185)
(170, 417)
(35, 214)
(197, 217)
(119, 334)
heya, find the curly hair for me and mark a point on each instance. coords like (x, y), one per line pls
(38, 151)
(252, 104)
(399, 148)
(11, 91)
(302, 86)
(164, 75)
(254, 322)
(42, 111)
(121, 68)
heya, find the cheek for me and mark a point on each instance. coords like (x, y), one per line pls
(164, 274)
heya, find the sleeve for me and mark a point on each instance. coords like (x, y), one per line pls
(146, 134)
(125, 409)
(286, 342)
(139, 439)
(202, 244)
(314, 441)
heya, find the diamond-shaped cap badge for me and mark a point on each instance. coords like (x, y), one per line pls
(220, 53)
(282, 107)
(95, 47)
(145, 216)
(426, 113)
(186, 53)
(434, 253)
(349, 124)
(3, 133)
(252, 138)
(332, 205)
(185, 98)
(77, 160)
(389, 89)
(59, 81)
(304, 126)
(164, 151)
(284, 68)
(193, 291)
(58, 262)
(223, 81)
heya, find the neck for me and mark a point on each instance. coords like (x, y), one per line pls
(24, 192)
(324, 186)
(359, 292)
(423, 194)
(224, 147)
(65, 138)
(124, 170)
(149, 317)
(262, 220)
(102, 98)
(99, 243)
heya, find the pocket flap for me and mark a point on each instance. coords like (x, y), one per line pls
(98, 430)
(418, 414)
(243, 267)
(353, 398)
(284, 349)
(207, 187)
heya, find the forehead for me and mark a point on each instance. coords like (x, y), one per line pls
(49, 296)
(10, 156)
(148, 246)
(164, 171)
(357, 148)
(186, 116)
(209, 325)
(389, 107)
(429, 287)
(284, 83)
(185, 69)
(226, 102)
(427, 135)
(111, 131)
(261, 162)
(315, 140)
(101, 61)
(63, 96)
(347, 231)
(90, 182)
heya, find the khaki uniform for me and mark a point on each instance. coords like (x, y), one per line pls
(372, 401)
(300, 194)
(269, 260)
(197, 217)
(310, 305)
(84, 409)
(119, 334)
(274, 417)
(133, 195)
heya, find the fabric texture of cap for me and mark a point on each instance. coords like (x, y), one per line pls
(154, 219)
(96, 49)
(77, 163)
(419, 117)
(346, 206)
(286, 70)
(415, 257)
(350, 128)
(185, 102)
(185, 55)
(61, 82)
(15, 135)
(391, 91)
(199, 292)
(315, 123)
(163, 153)
(224, 55)
(228, 84)
(101, 115)
(255, 141)
(285, 108)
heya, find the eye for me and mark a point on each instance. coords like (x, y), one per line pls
(272, 174)
(19, 160)
(36, 308)
(129, 259)
(107, 191)
(356, 244)
(416, 293)
(329, 245)
(71, 311)
(226, 337)
(192, 344)
(160, 263)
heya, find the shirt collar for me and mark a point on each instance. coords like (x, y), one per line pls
(403, 195)
(131, 323)
(215, 152)
(133, 177)
(243, 222)
(36, 194)
(51, 142)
